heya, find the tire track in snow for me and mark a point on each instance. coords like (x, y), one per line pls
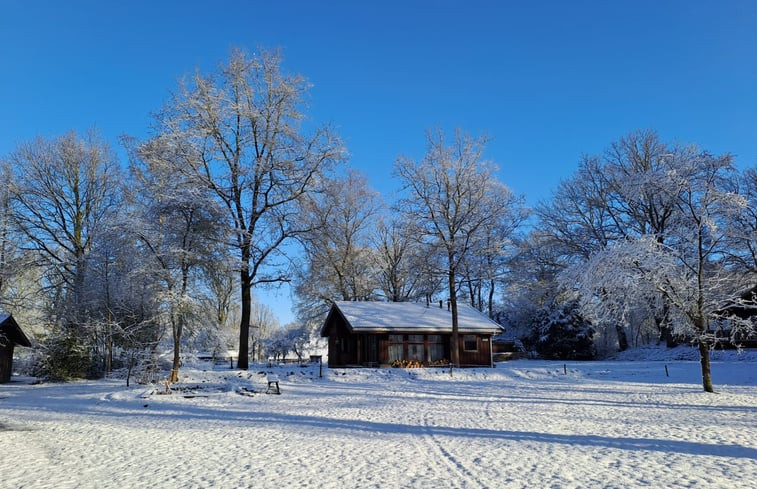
(442, 468)
(446, 459)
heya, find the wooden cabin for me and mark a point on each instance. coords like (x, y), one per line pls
(10, 336)
(373, 334)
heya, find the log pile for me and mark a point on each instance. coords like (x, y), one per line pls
(406, 364)
(416, 364)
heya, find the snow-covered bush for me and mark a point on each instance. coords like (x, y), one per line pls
(563, 334)
(63, 356)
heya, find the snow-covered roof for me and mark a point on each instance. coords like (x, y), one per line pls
(10, 329)
(409, 317)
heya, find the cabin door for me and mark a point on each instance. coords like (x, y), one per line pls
(371, 350)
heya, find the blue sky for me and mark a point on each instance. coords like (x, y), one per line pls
(546, 80)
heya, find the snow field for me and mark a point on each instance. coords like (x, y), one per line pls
(524, 424)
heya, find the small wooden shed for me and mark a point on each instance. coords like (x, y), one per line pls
(10, 336)
(373, 334)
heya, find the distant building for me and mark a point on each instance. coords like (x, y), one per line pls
(10, 336)
(372, 334)
(742, 307)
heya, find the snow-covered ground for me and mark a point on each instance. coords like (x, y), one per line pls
(613, 424)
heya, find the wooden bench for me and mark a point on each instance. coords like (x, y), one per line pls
(273, 384)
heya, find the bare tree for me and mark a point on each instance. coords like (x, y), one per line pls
(66, 189)
(629, 191)
(578, 220)
(125, 307)
(17, 273)
(8, 245)
(222, 311)
(338, 256)
(485, 270)
(687, 269)
(179, 228)
(405, 270)
(742, 248)
(264, 324)
(240, 134)
(452, 194)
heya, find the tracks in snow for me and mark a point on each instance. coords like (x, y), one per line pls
(460, 475)
(445, 467)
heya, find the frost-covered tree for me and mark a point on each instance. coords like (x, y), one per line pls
(631, 190)
(300, 337)
(239, 132)
(65, 191)
(125, 307)
(452, 194)
(8, 242)
(178, 226)
(18, 275)
(560, 332)
(220, 309)
(612, 298)
(406, 268)
(264, 326)
(486, 268)
(742, 237)
(338, 257)
(687, 269)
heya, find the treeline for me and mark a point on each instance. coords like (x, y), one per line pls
(647, 242)
(235, 189)
(109, 262)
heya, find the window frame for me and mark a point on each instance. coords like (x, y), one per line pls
(466, 339)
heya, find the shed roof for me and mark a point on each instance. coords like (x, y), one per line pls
(387, 317)
(10, 329)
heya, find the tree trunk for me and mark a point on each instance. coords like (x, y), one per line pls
(664, 326)
(177, 331)
(704, 359)
(108, 324)
(701, 323)
(622, 337)
(472, 292)
(244, 324)
(454, 349)
(130, 367)
(109, 350)
(490, 300)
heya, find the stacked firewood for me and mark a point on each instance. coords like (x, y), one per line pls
(416, 364)
(407, 364)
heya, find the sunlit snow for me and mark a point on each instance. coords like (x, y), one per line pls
(523, 424)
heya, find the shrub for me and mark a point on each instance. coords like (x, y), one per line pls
(562, 335)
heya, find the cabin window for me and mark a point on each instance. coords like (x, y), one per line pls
(470, 342)
(396, 347)
(415, 347)
(435, 348)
